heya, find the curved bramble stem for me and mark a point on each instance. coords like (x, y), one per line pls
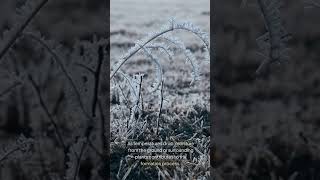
(161, 105)
(171, 26)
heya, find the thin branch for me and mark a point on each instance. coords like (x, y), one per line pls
(21, 28)
(136, 105)
(158, 65)
(160, 47)
(160, 109)
(79, 159)
(105, 141)
(64, 70)
(85, 67)
(97, 80)
(126, 99)
(103, 125)
(44, 107)
(8, 154)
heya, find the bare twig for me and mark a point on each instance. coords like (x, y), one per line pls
(78, 159)
(44, 107)
(97, 80)
(20, 29)
(64, 70)
(85, 67)
(161, 104)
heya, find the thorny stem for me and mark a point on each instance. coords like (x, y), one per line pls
(21, 28)
(140, 95)
(160, 109)
(88, 130)
(137, 49)
(143, 44)
(97, 80)
(105, 142)
(103, 125)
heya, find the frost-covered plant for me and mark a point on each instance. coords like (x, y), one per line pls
(132, 119)
(146, 43)
(164, 42)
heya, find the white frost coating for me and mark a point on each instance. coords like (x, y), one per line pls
(190, 57)
(162, 47)
(158, 69)
(136, 83)
(170, 26)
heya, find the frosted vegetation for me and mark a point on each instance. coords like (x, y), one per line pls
(145, 104)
